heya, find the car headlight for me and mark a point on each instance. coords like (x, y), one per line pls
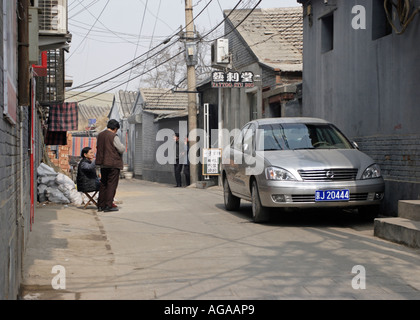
(371, 172)
(279, 174)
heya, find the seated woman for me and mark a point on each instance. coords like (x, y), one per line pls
(87, 179)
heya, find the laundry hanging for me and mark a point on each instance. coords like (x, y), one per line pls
(62, 117)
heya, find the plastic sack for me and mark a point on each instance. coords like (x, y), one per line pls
(56, 196)
(44, 170)
(65, 181)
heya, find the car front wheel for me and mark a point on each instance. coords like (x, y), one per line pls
(259, 213)
(232, 202)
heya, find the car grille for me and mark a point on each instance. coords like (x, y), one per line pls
(311, 198)
(328, 174)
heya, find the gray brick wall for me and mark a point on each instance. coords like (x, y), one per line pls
(14, 201)
(368, 87)
(242, 56)
(398, 156)
(9, 200)
(399, 159)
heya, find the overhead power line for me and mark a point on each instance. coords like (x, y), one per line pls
(164, 42)
(168, 39)
(135, 76)
(90, 28)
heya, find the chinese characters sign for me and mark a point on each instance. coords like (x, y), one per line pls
(211, 161)
(232, 79)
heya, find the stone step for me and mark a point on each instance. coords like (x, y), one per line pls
(399, 230)
(409, 209)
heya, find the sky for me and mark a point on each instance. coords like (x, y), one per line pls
(105, 35)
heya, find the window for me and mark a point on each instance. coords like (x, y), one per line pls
(252, 101)
(237, 142)
(327, 33)
(294, 136)
(380, 24)
(249, 139)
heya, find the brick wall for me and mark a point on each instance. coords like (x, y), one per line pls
(399, 159)
(398, 155)
(14, 200)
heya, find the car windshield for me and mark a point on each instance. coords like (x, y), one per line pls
(295, 136)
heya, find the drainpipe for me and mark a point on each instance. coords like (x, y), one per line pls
(32, 152)
(220, 123)
(21, 215)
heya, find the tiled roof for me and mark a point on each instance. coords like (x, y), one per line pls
(92, 106)
(164, 101)
(87, 112)
(127, 99)
(274, 35)
(90, 98)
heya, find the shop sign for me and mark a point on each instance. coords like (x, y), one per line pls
(232, 79)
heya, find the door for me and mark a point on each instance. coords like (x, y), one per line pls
(248, 159)
(236, 159)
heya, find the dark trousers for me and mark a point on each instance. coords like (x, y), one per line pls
(109, 183)
(187, 173)
(177, 170)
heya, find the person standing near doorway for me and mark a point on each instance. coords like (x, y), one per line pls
(177, 164)
(109, 158)
(186, 161)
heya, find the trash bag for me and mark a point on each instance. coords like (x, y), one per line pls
(44, 170)
(56, 196)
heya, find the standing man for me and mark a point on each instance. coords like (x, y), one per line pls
(177, 164)
(186, 161)
(109, 158)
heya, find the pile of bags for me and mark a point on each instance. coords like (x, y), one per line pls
(56, 187)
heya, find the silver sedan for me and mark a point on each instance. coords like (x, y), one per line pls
(298, 163)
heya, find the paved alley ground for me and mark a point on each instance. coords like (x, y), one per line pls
(170, 243)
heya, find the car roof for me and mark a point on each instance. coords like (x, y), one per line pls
(289, 120)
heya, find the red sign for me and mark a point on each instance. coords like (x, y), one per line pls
(41, 71)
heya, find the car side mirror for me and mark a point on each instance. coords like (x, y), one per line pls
(355, 145)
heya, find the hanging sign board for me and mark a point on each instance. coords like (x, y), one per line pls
(232, 79)
(212, 159)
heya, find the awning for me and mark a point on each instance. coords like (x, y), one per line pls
(54, 42)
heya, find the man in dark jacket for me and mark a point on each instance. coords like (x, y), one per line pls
(109, 158)
(177, 164)
(87, 179)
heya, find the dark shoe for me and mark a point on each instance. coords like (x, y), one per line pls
(177, 186)
(108, 209)
(100, 209)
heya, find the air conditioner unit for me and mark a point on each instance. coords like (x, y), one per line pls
(220, 52)
(53, 17)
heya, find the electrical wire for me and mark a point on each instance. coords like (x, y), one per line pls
(90, 29)
(403, 8)
(135, 76)
(146, 53)
(233, 10)
(153, 33)
(141, 30)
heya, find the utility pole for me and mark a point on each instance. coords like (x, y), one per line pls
(191, 60)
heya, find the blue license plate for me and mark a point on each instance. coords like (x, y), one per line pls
(332, 195)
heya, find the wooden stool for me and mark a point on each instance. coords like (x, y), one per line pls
(91, 199)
